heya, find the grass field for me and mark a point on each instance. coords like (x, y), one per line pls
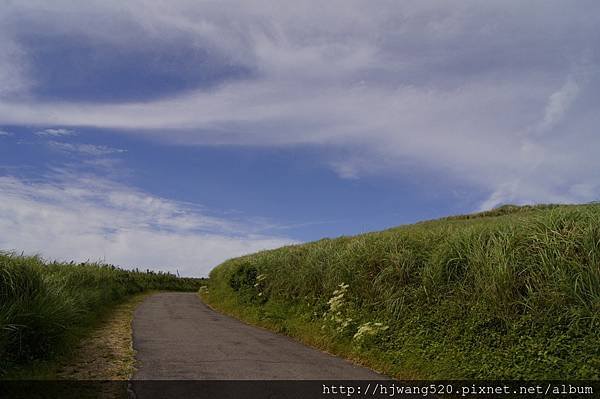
(45, 307)
(510, 293)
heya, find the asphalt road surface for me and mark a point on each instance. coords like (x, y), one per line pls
(177, 337)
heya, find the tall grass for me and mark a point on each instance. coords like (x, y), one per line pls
(510, 293)
(42, 306)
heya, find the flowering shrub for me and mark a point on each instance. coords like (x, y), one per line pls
(337, 314)
(259, 285)
(368, 330)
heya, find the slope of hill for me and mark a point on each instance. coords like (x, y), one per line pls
(509, 293)
(44, 307)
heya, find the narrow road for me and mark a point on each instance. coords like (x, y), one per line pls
(177, 337)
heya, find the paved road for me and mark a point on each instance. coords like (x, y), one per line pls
(177, 337)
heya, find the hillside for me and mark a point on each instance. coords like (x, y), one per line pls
(45, 308)
(509, 293)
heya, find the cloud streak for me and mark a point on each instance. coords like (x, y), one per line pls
(55, 133)
(70, 217)
(85, 149)
(559, 103)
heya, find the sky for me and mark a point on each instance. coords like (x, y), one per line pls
(173, 135)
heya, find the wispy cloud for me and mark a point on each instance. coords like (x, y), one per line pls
(85, 149)
(558, 104)
(4, 133)
(86, 217)
(13, 75)
(453, 89)
(345, 170)
(55, 133)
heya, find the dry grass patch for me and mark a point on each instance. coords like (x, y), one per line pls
(107, 352)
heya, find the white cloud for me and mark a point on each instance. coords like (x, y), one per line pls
(85, 149)
(451, 88)
(55, 133)
(5, 133)
(78, 218)
(559, 103)
(13, 73)
(345, 170)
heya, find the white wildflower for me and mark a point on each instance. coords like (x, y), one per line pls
(368, 329)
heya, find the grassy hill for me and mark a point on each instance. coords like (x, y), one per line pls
(45, 307)
(509, 293)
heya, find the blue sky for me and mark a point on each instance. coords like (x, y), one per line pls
(174, 136)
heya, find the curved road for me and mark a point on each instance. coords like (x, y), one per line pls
(177, 337)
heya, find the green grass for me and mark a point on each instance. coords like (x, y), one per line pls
(45, 307)
(510, 293)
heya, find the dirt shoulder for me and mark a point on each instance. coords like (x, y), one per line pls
(107, 352)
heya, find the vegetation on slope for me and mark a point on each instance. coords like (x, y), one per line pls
(45, 306)
(510, 293)
(106, 353)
